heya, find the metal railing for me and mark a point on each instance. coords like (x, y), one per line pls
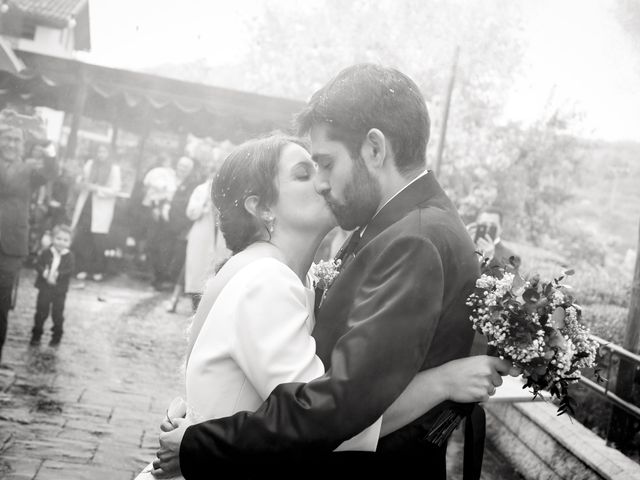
(604, 391)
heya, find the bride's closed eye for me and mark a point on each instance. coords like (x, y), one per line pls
(303, 171)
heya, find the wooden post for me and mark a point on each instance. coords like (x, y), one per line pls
(114, 138)
(78, 110)
(142, 140)
(445, 115)
(632, 335)
(620, 431)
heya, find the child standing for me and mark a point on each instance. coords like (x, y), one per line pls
(55, 266)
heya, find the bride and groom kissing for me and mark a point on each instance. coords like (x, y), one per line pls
(274, 383)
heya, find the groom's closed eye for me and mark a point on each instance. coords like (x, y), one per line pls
(324, 162)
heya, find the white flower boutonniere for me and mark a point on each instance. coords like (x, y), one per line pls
(324, 273)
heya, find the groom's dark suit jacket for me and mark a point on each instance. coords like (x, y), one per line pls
(397, 307)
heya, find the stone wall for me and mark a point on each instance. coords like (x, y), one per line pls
(542, 446)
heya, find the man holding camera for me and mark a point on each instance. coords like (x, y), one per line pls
(17, 181)
(486, 233)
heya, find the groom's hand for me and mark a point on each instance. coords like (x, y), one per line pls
(474, 379)
(167, 463)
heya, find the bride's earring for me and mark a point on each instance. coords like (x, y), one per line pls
(270, 222)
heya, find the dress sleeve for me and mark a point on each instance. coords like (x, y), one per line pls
(274, 344)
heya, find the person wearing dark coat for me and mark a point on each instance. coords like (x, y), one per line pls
(486, 232)
(18, 180)
(177, 227)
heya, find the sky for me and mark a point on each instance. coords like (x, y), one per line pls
(576, 49)
(137, 34)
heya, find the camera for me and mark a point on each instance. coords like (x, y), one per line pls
(485, 229)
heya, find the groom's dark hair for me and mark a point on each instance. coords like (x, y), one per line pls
(366, 96)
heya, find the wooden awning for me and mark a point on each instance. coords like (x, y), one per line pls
(9, 62)
(140, 102)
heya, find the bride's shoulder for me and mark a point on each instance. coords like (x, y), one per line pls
(251, 268)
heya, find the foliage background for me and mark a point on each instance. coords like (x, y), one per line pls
(569, 199)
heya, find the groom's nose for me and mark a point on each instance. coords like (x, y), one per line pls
(321, 185)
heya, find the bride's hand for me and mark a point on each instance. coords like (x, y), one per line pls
(167, 462)
(473, 379)
(177, 409)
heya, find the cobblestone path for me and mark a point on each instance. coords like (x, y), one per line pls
(90, 408)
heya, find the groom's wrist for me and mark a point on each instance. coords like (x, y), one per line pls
(441, 388)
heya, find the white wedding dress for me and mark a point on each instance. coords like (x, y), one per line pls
(256, 336)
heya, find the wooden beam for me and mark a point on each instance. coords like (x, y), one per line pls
(114, 137)
(78, 109)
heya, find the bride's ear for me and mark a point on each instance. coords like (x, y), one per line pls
(260, 212)
(252, 205)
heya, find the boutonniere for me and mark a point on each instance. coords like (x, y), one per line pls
(324, 273)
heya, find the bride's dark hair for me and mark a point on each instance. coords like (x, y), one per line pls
(250, 169)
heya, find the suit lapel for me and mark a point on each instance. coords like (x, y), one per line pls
(333, 315)
(407, 200)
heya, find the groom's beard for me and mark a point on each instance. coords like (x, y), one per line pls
(361, 198)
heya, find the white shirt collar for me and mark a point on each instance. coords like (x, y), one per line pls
(394, 196)
(55, 251)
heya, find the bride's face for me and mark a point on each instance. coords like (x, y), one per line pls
(299, 207)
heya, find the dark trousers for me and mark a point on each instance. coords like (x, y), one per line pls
(89, 247)
(178, 257)
(7, 279)
(5, 306)
(160, 246)
(89, 250)
(49, 300)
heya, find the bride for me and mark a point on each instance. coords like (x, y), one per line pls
(252, 330)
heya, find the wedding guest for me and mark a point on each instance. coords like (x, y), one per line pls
(160, 182)
(177, 227)
(38, 208)
(18, 179)
(55, 266)
(486, 232)
(93, 214)
(57, 198)
(205, 244)
(153, 189)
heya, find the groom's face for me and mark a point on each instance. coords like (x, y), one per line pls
(352, 192)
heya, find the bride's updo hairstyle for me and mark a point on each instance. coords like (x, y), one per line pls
(250, 169)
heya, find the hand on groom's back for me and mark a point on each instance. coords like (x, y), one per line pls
(167, 462)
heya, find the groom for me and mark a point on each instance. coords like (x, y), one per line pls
(398, 305)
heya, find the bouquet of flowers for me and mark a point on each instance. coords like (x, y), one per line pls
(536, 325)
